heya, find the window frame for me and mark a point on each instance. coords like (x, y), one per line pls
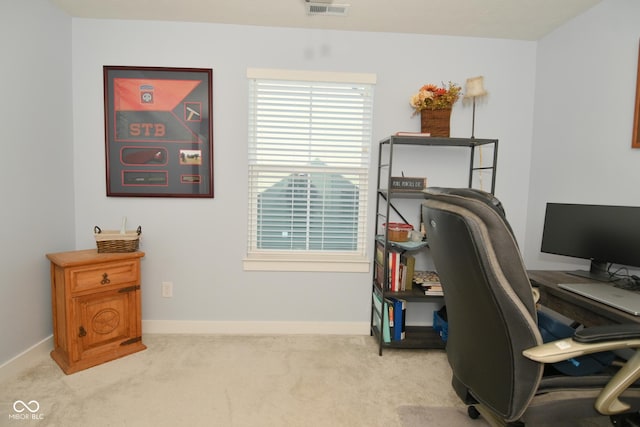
(307, 260)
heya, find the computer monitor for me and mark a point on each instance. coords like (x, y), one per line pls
(602, 234)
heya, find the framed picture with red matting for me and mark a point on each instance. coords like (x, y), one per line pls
(158, 131)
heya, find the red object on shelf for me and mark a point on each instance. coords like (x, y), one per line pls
(398, 231)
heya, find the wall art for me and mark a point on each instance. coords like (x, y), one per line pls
(158, 131)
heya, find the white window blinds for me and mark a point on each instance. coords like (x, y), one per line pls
(309, 139)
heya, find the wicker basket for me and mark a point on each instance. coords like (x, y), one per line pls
(435, 122)
(114, 241)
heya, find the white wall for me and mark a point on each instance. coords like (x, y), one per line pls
(582, 76)
(36, 166)
(199, 244)
(585, 91)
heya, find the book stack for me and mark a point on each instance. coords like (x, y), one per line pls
(429, 282)
(401, 268)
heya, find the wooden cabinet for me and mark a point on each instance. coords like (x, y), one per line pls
(96, 307)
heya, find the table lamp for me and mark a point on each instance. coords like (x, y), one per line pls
(474, 89)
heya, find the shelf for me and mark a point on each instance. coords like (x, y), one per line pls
(401, 194)
(419, 337)
(437, 141)
(411, 295)
(416, 337)
(423, 337)
(404, 246)
(415, 294)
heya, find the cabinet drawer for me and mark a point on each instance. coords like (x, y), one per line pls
(99, 276)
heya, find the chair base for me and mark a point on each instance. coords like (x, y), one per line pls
(490, 417)
(477, 410)
(626, 420)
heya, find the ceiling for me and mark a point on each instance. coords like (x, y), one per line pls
(507, 19)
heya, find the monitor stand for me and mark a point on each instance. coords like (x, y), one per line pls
(597, 271)
(601, 277)
(600, 273)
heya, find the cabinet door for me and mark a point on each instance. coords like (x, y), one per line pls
(107, 322)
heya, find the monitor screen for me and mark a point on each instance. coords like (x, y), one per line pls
(602, 234)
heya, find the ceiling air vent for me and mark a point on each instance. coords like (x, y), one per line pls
(319, 8)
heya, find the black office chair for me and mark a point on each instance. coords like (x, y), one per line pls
(494, 347)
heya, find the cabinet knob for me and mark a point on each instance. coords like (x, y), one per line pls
(105, 279)
(82, 332)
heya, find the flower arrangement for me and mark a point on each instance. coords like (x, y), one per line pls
(432, 97)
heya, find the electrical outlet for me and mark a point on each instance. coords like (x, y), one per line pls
(167, 289)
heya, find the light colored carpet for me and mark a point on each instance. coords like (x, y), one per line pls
(238, 381)
(192, 380)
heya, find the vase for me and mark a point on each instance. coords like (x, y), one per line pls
(435, 122)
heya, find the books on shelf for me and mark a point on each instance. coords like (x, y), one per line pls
(401, 268)
(407, 263)
(433, 290)
(389, 317)
(379, 252)
(429, 282)
(394, 271)
(381, 317)
(399, 318)
(386, 328)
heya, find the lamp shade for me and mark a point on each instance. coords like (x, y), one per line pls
(475, 87)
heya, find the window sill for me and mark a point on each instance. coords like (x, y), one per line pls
(356, 265)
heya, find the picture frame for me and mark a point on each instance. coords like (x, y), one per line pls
(635, 137)
(158, 131)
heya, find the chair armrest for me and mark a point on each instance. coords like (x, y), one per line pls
(536, 294)
(567, 348)
(607, 333)
(608, 402)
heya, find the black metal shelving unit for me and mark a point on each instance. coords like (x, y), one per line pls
(416, 337)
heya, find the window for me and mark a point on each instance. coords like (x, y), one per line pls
(309, 143)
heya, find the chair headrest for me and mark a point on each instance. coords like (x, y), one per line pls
(473, 193)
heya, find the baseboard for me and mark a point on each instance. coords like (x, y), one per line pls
(254, 328)
(26, 359)
(32, 355)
